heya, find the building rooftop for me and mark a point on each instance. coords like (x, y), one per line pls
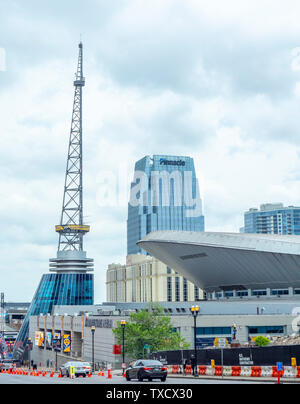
(229, 261)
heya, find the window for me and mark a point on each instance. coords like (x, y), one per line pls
(280, 292)
(242, 293)
(213, 330)
(196, 291)
(259, 293)
(268, 329)
(169, 290)
(177, 289)
(185, 290)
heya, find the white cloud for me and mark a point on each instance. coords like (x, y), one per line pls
(216, 81)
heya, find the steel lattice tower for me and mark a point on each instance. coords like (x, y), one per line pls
(71, 228)
(69, 283)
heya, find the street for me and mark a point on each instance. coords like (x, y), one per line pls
(95, 379)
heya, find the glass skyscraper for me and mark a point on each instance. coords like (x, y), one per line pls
(55, 289)
(273, 219)
(164, 196)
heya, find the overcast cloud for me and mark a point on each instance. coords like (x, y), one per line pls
(217, 81)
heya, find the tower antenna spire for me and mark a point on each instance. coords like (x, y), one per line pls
(71, 228)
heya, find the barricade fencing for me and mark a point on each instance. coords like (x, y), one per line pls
(236, 371)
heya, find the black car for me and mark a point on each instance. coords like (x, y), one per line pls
(147, 369)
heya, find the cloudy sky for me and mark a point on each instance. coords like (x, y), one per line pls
(215, 80)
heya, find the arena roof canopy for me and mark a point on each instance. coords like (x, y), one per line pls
(228, 261)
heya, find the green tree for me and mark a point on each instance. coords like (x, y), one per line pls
(261, 341)
(150, 327)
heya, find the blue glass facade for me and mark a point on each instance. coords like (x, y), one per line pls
(273, 219)
(56, 289)
(164, 196)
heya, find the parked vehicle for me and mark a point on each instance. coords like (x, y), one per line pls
(80, 369)
(146, 369)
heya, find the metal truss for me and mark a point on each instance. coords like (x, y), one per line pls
(71, 229)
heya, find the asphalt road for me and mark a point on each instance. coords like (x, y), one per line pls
(95, 379)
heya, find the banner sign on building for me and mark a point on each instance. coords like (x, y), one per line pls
(48, 340)
(98, 323)
(56, 341)
(67, 343)
(39, 339)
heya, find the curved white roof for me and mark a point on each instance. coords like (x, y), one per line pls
(226, 261)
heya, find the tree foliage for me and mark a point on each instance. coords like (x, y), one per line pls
(149, 327)
(261, 341)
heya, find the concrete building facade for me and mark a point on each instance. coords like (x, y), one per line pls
(146, 279)
(216, 319)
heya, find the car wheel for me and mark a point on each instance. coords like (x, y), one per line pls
(128, 377)
(163, 379)
(150, 379)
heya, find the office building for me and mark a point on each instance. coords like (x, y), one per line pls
(268, 317)
(164, 196)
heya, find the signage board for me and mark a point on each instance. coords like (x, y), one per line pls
(39, 339)
(222, 342)
(67, 343)
(56, 341)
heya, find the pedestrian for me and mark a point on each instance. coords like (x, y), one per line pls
(186, 363)
(193, 363)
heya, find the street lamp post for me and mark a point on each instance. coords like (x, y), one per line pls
(29, 349)
(195, 310)
(123, 324)
(93, 328)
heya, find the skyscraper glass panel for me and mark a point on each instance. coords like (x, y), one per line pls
(55, 289)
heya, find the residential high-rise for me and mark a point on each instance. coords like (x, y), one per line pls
(272, 219)
(164, 196)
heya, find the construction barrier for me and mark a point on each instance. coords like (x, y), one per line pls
(175, 369)
(290, 371)
(240, 371)
(266, 371)
(227, 370)
(256, 371)
(218, 370)
(202, 370)
(188, 370)
(236, 371)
